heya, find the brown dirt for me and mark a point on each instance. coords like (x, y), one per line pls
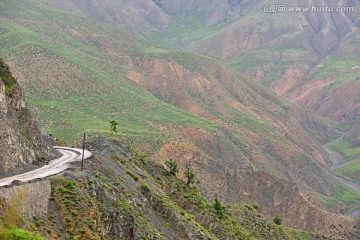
(289, 80)
(310, 92)
(74, 32)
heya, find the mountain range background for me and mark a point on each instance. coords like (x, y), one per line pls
(243, 97)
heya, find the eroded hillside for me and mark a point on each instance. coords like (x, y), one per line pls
(242, 140)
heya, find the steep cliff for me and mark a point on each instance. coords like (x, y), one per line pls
(20, 141)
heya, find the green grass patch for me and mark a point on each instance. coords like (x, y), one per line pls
(177, 36)
(68, 110)
(68, 117)
(253, 59)
(133, 175)
(6, 77)
(344, 194)
(345, 149)
(18, 234)
(351, 170)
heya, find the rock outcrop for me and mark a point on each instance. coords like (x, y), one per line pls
(29, 199)
(21, 143)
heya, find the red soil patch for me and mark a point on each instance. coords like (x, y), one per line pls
(74, 32)
(309, 92)
(287, 81)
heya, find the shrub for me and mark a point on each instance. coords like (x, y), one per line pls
(145, 188)
(190, 175)
(115, 157)
(113, 127)
(173, 167)
(220, 210)
(256, 206)
(132, 175)
(278, 219)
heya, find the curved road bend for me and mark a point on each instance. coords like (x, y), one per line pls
(336, 159)
(55, 166)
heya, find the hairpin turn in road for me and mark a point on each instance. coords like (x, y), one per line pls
(54, 167)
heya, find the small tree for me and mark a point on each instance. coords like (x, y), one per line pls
(113, 125)
(220, 210)
(278, 219)
(173, 167)
(190, 176)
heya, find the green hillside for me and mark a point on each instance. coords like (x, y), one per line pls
(79, 74)
(69, 109)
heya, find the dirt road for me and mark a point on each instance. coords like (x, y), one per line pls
(55, 166)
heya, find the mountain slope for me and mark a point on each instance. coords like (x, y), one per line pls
(292, 52)
(139, 17)
(79, 74)
(20, 141)
(310, 57)
(120, 197)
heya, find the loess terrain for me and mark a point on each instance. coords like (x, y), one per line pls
(222, 89)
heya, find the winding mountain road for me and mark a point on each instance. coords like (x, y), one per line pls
(54, 167)
(337, 163)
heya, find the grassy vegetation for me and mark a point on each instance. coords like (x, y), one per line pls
(252, 60)
(100, 92)
(238, 220)
(79, 213)
(12, 224)
(342, 65)
(332, 67)
(6, 77)
(351, 170)
(101, 95)
(346, 195)
(87, 104)
(345, 149)
(18, 234)
(249, 216)
(69, 117)
(177, 36)
(171, 204)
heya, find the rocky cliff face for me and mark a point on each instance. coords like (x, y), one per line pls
(20, 141)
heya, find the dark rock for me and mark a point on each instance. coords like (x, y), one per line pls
(16, 182)
(20, 140)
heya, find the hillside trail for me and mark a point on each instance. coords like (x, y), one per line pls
(337, 163)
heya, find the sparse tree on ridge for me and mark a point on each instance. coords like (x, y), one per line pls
(113, 125)
(220, 210)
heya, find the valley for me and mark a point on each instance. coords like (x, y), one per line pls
(247, 99)
(338, 163)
